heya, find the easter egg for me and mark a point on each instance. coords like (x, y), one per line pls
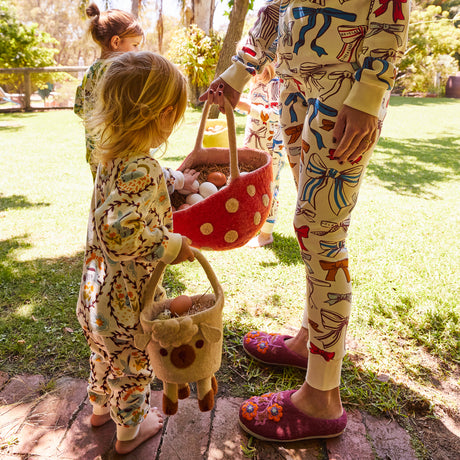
(207, 189)
(180, 305)
(183, 206)
(193, 198)
(217, 178)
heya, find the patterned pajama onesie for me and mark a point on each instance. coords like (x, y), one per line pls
(263, 132)
(129, 231)
(329, 53)
(84, 103)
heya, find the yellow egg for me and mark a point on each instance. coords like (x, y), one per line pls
(180, 305)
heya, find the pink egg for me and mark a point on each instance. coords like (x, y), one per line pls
(180, 305)
(184, 206)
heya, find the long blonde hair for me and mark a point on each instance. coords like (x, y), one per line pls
(136, 89)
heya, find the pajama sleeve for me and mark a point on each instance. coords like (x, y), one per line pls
(79, 102)
(131, 221)
(260, 47)
(382, 47)
(174, 180)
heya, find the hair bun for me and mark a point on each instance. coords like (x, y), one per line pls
(92, 10)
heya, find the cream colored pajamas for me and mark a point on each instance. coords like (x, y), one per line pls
(329, 53)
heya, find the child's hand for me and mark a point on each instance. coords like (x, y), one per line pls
(185, 252)
(190, 181)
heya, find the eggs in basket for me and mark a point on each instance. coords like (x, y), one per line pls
(234, 196)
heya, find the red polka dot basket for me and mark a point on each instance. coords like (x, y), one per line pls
(229, 218)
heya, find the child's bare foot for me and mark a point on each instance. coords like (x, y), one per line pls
(262, 239)
(99, 420)
(148, 428)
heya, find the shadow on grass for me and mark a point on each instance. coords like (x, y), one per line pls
(17, 202)
(360, 387)
(39, 331)
(414, 165)
(286, 250)
(11, 126)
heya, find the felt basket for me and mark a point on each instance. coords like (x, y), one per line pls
(187, 348)
(229, 218)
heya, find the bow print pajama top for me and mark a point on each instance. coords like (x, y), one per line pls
(329, 53)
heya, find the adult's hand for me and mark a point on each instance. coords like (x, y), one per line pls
(217, 92)
(355, 133)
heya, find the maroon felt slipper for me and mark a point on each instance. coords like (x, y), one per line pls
(271, 349)
(273, 417)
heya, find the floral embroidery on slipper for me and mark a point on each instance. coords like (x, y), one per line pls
(249, 410)
(275, 412)
(262, 346)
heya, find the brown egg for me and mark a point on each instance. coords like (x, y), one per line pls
(184, 206)
(180, 305)
(217, 178)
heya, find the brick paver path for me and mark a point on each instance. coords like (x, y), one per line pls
(54, 424)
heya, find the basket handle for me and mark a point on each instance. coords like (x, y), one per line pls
(152, 283)
(231, 130)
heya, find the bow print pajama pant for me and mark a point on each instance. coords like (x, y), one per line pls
(267, 136)
(327, 191)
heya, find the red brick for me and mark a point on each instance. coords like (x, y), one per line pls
(389, 439)
(353, 443)
(226, 436)
(186, 434)
(82, 441)
(47, 423)
(21, 388)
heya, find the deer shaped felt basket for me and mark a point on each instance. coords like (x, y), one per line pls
(229, 218)
(186, 348)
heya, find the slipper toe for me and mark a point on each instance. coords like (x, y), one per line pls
(271, 349)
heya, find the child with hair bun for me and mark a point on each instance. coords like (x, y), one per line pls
(114, 31)
(140, 100)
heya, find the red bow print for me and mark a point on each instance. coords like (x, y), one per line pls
(327, 355)
(397, 9)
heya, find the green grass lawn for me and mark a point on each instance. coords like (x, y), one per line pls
(404, 331)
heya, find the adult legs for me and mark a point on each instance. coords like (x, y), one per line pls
(327, 193)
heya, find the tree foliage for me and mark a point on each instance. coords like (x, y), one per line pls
(23, 45)
(433, 42)
(196, 54)
(62, 21)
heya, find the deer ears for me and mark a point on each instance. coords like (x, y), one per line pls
(210, 333)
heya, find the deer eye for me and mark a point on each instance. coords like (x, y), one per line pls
(199, 344)
(163, 352)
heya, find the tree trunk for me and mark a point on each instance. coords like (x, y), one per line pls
(232, 37)
(199, 12)
(135, 8)
(160, 25)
